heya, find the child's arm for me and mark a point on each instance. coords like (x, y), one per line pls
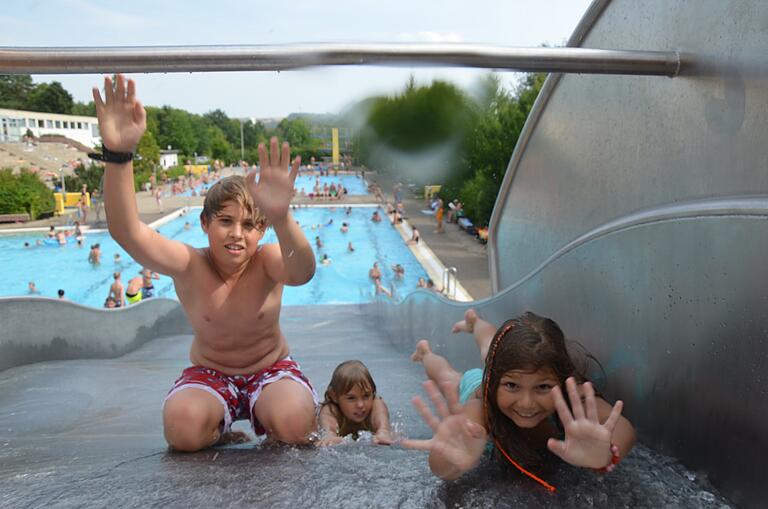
(272, 194)
(594, 432)
(380, 422)
(122, 121)
(328, 427)
(459, 439)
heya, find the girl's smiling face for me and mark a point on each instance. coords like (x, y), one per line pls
(356, 404)
(525, 397)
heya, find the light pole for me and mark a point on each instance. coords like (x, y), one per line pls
(242, 145)
(63, 184)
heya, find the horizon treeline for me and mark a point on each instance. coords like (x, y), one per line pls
(427, 134)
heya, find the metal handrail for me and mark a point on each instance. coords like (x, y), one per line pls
(450, 274)
(147, 59)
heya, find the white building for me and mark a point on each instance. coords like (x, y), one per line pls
(15, 123)
(169, 158)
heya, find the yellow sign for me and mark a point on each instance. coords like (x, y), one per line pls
(71, 200)
(197, 169)
(430, 191)
(335, 137)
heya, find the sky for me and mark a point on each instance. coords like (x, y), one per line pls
(269, 94)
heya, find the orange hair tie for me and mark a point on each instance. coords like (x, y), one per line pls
(533, 476)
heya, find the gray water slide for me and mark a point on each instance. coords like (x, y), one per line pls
(633, 212)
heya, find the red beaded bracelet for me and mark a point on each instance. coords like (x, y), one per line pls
(615, 458)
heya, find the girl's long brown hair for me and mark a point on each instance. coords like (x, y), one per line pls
(527, 343)
(347, 375)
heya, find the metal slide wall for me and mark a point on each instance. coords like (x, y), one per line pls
(635, 213)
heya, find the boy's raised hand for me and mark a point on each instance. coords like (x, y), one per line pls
(457, 442)
(274, 190)
(587, 442)
(122, 119)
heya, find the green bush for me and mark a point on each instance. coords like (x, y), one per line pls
(90, 174)
(24, 192)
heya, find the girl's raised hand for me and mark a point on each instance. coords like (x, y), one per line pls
(457, 442)
(587, 442)
(122, 119)
(274, 190)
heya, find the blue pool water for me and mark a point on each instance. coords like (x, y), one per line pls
(345, 280)
(356, 186)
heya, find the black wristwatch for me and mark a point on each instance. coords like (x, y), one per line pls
(111, 157)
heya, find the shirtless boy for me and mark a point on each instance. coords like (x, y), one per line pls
(116, 291)
(231, 291)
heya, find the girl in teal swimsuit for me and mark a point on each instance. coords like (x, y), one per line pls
(516, 403)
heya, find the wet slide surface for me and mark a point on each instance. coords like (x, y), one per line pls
(88, 433)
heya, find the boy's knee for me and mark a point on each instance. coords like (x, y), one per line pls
(291, 425)
(188, 428)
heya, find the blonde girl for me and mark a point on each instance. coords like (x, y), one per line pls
(351, 405)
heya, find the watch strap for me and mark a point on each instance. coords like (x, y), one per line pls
(108, 156)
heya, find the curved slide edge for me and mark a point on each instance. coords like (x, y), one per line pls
(38, 329)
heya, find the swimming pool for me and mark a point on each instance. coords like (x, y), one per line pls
(356, 186)
(343, 281)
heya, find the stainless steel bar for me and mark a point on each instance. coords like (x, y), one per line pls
(162, 59)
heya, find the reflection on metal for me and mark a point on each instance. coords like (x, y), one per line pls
(449, 282)
(88, 60)
(67, 330)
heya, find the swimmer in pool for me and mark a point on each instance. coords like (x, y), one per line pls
(517, 403)
(133, 293)
(231, 290)
(116, 291)
(351, 405)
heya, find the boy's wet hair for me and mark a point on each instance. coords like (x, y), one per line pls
(346, 376)
(527, 343)
(232, 188)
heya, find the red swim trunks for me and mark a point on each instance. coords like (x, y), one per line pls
(238, 393)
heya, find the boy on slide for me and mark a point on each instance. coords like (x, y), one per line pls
(231, 291)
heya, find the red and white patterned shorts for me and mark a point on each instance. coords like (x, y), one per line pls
(238, 393)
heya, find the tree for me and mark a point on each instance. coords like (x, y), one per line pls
(148, 158)
(230, 127)
(175, 129)
(90, 175)
(50, 98)
(14, 90)
(419, 134)
(295, 131)
(86, 110)
(220, 147)
(24, 192)
(502, 116)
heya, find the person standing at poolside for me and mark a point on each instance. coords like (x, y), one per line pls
(415, 236)
(159, 198)
(439, 211)
(231, 290)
